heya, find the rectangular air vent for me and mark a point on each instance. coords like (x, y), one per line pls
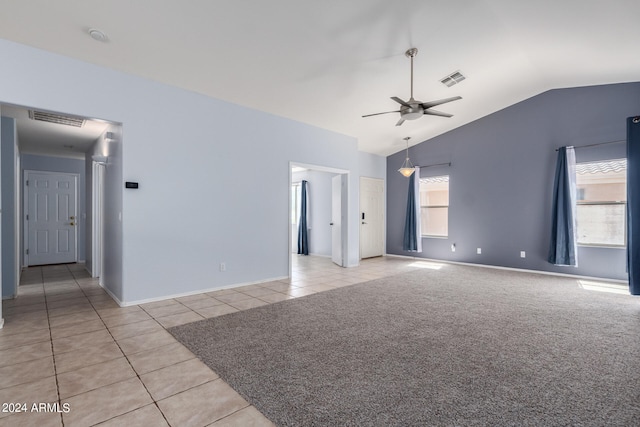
(56, 118)
(452, 79)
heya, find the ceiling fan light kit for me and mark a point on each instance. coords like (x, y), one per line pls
(414, 109)
(407, 168)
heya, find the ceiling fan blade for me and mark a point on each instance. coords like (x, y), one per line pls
(430, 104)
(400, 101)
(437, 113)
(400, 122)
(377, 114)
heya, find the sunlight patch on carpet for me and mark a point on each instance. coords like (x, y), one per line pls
(589, 285)
(427, 264)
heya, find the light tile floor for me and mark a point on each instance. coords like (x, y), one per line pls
(66, 343)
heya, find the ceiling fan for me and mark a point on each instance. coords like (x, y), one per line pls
(413, 109)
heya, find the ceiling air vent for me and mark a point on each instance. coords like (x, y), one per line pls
(452, 79)
(56, 118)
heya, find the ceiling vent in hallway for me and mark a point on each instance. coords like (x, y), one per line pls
(452, 79)
(56, 118)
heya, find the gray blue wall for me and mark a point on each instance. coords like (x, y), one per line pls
(501, 178)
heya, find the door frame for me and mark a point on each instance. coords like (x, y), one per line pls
(339, 193)
(345, 208)
(25, 210)
(97, 211)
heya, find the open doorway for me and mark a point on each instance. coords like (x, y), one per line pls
(59, 145)
(327, 207)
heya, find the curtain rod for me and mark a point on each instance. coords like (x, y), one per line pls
(439, 164)
(599, 143)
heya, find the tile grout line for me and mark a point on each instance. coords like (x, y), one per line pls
(53, 355)
(89, 292)
(115, 341)
(130, 365)
(155, 402)
(196, 358)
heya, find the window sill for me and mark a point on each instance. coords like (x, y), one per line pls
(424, 236)
(595, 245)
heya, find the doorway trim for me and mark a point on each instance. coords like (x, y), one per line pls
(345, 197)
(25, 212)
(97, 229)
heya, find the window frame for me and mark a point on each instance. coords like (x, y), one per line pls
(447, 206)
(601, 203)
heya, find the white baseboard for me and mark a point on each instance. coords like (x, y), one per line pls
(186, 294)
(523, 270)
(115, 298)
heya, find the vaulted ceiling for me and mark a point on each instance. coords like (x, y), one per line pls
(327, 63)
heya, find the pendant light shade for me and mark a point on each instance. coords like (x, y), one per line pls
(407, 167)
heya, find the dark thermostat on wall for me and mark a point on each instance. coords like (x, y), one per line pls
(130, 184)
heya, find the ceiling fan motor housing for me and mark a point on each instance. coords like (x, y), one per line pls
(414, 111)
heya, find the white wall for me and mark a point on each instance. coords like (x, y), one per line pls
(111, 148)
(372, 166)
(1, 217)
(10, 207)
(193, 209)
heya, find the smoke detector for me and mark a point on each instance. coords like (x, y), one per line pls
(98, 35)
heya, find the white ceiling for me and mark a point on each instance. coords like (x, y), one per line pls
(327, 63)
(38, 137)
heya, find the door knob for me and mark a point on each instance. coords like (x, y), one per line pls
(72, 217)
(72, 223)
(330, 223)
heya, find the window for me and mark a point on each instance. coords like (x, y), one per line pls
(434, 206)
(602, 202)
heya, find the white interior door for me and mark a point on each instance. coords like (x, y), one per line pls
(337, 220)
(371, 217)
(52, 217)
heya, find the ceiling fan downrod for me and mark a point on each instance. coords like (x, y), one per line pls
(411, 53)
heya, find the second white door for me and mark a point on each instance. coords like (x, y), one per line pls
(371, 217)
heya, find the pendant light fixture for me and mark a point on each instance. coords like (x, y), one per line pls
(407, 167)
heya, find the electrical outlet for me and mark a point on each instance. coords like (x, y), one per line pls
(453, 247)
(223, 266)
(479, 251)
(522, 254)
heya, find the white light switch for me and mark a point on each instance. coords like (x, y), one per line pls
(522, 254)
(479, 251)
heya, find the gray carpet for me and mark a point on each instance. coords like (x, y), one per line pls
(460, 346)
